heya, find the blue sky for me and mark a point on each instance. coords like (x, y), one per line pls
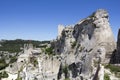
(38, 19)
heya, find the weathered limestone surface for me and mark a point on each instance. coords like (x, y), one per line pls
(80, 51)
(94, 44)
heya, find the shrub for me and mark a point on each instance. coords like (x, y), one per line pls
(113, 68)
(4, 74)
(19, 79)
(66, 79)
(34, 61)
(3, 64)
(73, 44)
(49, 51)
(13, 59)
(65, 71)
(106, 77)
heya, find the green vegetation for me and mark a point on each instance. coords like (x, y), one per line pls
(113, 68)
(49, 51)
(13, 59)
(106, 77)
(73, 44)
(19, 79)
(81, 48)
(3, 64)
(117, 74)
(95, 63)
(65, 71)
(34, 61)
(13, 46)
(4, 74)
(66, 79)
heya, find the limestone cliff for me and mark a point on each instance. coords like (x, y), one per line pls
(86, 45)
(118, 49)
(80, 52)
(116, 55)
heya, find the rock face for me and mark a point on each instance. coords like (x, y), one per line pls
(86, 45)
(118, 48)
(95, 32)
(116, 55)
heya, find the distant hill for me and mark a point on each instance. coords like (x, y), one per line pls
(16, 45)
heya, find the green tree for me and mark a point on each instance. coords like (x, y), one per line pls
(73, 44)
(4, 74)
(106, 77)
(3, 64)
(49, 51)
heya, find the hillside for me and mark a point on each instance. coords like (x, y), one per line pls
(13, 46)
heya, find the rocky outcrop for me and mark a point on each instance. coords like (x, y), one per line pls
(115, 59)
(118, 49)
(77, 54)
(86, 46)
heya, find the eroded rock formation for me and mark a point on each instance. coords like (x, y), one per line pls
(87, 45)
(78, 53)
(115, 59)
(118, 48)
